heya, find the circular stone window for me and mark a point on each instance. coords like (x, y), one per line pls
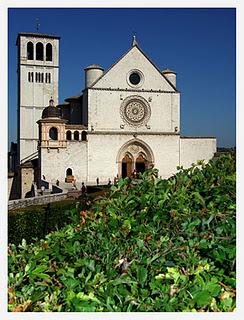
(135, 78)
(135, 111)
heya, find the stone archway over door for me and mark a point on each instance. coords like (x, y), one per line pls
(134, 155)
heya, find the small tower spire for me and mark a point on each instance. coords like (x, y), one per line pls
(51, 102)
(134, 42)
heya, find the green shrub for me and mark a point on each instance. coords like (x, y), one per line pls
(58, 214)
(149, 245)
(35, 222)
(26, 223)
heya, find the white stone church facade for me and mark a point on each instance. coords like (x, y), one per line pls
(126, 118)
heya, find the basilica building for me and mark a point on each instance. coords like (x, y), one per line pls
(126, 119)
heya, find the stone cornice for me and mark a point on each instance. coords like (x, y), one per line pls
(32, 107)
(133, 133)
(38, 65)
(75, 126)
(196, 137)
(133, 90)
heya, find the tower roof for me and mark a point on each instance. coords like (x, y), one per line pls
(51, 111)
(168, 71)
(94, 66)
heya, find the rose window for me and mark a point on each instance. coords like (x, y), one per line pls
(135, 111)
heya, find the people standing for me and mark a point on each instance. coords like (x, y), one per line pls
(97, 181)
(134, 174)
(42, 189)
(83, 189)
(74, 184)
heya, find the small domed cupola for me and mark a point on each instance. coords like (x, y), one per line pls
(51, 111)
(170, 75)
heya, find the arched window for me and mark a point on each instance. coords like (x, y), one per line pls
(68, 172)
(83, 136)
(30, 49)
(76, 135)
(49, 53)
(68, 135)
(39, 51)
(53, 133)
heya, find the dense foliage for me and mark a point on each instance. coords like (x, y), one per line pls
(35, 222)
(150, 245)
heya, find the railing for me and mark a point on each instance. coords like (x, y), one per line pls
(29, 157)
(39, 200)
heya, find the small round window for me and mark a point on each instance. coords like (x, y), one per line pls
(135, 78)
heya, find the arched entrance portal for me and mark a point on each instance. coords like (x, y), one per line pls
(135, 155)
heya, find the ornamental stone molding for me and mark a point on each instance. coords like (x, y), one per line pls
(135, 111)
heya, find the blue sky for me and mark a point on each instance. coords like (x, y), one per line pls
(199, 44)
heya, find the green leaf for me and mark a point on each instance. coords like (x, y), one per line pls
(213, 288)
(202, 298)
(38, 270)
(142, 274)
(140, 243)
(199, 198)
(43, 276)
(125, 280)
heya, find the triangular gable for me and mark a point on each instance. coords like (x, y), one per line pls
(160, 77)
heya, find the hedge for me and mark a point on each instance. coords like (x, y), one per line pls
(34, 222)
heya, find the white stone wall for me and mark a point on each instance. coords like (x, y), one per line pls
(98, 156)
(103, 150)
(27, 147)
(27, 179)
(55, 162)
(10, 183)
(105, 102)
(104, 111)
(194, 149)
(166, 153)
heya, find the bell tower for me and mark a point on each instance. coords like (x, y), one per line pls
(38, 72)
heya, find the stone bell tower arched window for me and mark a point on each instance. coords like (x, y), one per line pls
(53, 133)
(39, 51)
(30, 50)
(49, 53)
